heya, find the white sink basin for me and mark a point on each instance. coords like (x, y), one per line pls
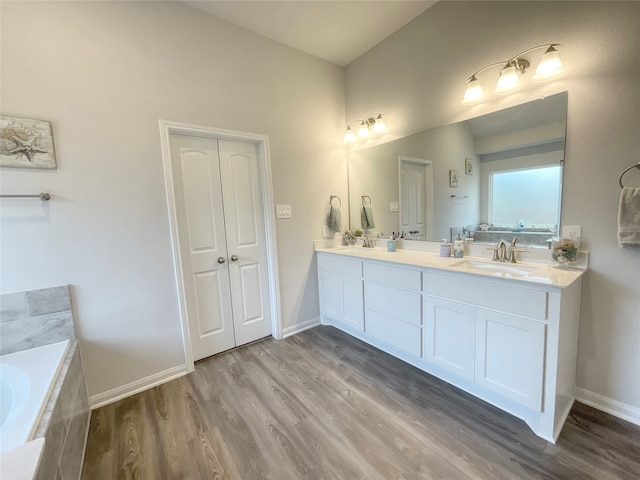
(511, 270)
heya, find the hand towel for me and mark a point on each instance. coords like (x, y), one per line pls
(366, 217)
(334, 220)
(629, 217)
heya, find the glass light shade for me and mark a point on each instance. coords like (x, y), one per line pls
(363, 131)
(550, 66)
(349, 136)
(474, 91)
(509, 79)
(379, 126)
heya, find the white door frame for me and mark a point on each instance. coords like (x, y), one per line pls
(429, 190)
(168, 127)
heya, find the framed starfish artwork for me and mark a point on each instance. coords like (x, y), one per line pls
(26, 143)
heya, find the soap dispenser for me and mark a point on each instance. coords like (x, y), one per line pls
(458, 247)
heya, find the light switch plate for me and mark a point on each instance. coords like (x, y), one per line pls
(393, 206)
(573, 232)
(283, 211)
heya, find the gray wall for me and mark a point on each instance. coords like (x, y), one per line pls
(417, 78)
(103, 73)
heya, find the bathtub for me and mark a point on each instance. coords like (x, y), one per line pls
(26, 380)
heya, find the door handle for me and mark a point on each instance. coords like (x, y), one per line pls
(221, 259)
(234, 258)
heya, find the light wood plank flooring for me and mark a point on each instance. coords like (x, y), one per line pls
(323, 405)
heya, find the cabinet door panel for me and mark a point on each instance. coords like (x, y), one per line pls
(352, 296)
(450, 336)
(342, 299)
(510, 356)
(330, 295)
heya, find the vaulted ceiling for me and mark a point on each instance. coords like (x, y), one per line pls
(336, 31)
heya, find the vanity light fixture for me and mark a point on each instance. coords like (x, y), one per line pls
(371, 122)
(550, 67)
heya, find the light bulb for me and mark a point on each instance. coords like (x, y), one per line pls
(349, 136)
(379, 126)
(509, 79)
(474, 91)
(550, 66)
(363, 131)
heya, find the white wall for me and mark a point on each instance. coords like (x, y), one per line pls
(103, 73)
(417, 78)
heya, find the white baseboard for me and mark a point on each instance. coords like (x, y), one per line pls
(110, 396)
(613, 407)
(300, 327)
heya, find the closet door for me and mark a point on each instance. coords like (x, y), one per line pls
(246, 244)
(203, 249)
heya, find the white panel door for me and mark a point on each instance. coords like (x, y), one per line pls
(222, 242)
(203, 249)
(415, 192)
(244, 220)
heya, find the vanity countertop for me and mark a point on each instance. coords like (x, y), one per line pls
(537, 273)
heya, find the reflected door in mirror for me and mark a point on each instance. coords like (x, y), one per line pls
(416, 205)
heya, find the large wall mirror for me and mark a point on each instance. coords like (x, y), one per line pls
(493, 177)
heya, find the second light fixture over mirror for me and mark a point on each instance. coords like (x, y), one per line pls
(549, 67)
(369, 125)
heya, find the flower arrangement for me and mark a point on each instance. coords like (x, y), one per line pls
(348, 238)
(564, 251)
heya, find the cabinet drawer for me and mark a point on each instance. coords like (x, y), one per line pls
(505, 297)
(396, 276)
(396, 333)
(394, 302)
(340, 264)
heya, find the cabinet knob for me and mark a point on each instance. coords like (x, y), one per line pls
(234, 258)
(221, 259)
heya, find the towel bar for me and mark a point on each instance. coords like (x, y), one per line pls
(637, 165)
(43, 196)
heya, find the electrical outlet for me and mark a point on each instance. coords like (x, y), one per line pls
(573, 232)
(283, 211)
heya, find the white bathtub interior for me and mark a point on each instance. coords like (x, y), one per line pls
(26, 380)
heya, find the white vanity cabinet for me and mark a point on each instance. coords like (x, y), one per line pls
(510, 343)
(492, 334)
(341, 291)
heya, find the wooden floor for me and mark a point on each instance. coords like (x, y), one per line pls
(323, 405)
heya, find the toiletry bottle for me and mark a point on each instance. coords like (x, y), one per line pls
(458, 247)
(445, 248)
